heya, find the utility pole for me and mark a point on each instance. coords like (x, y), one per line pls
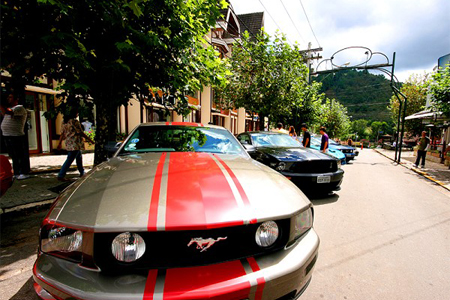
(309, 55)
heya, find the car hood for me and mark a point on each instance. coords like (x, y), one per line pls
(176, 191)
(342, 147)
(293, 154)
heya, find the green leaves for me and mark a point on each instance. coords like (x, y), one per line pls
(439, 87)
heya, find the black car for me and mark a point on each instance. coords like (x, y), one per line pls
(311, 170)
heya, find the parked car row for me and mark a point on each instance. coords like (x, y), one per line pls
(310, 170)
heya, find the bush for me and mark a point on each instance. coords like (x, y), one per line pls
(91, 134)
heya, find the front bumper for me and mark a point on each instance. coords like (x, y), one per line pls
(349, 156)
(308, 182)
(286, 272)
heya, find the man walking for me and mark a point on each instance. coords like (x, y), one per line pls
(13, 126)
(324, 143)
(306, 136)
(423, 143)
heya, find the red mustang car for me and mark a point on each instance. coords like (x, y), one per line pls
(180, 212)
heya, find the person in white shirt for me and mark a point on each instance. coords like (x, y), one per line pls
(13, 130)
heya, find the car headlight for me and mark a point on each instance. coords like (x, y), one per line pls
(267, 234)
(62, 241)
(128, 247)
(303, 222)
(339, 163)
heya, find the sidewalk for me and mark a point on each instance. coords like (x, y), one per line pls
(438, 173)
(42, 187)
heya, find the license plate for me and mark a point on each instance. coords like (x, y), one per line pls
(323, 179)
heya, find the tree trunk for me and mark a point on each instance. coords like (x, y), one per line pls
(106, 122)
(261, 121)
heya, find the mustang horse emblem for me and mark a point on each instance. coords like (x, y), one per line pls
(204, 244)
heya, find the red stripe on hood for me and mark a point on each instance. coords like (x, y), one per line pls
(198, 194)
(238, 186)
(150, 285)
(153, 212)
(218, 282)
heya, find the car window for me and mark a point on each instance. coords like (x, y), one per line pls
(244, 139)
(274, 140)
(182, 139)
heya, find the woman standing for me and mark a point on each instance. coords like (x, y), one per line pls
(292, 132)
(73, 133)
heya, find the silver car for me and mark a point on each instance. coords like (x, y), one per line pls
(180, 212)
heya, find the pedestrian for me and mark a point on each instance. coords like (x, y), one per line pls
(292, 132)
(422, 148)
(280, 129)
(324, 143)
(13, 130)
(306, 136)
(73, 133)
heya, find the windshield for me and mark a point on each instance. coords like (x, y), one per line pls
(274, 140)
(181, 139)
(334, 143)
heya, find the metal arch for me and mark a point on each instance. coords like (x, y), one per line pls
(395, 85)
(368, 51)
(387, 58)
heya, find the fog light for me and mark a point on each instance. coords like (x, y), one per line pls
(267, 234)
(128, 247)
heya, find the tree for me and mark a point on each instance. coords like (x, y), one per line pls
(378, 129)
(416, 92)
(110, 51)
(333, 116)
(265, 76)
(360, 128)
(439, 87)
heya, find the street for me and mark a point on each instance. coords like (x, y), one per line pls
(386, 234)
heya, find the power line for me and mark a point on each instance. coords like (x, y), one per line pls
(306, 15)
(266, 10)
(292, 21)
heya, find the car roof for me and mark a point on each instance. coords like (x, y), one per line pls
(181, 124)
(264, 132)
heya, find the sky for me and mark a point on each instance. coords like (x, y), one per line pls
(418, 31)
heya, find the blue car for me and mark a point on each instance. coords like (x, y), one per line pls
(349, 151)
(315, 144)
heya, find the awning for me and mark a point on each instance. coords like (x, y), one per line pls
(219, 114)
(41, 90)
(424, 114)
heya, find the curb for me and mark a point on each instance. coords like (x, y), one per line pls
(27, 206)
(422, 173)
(56, 169)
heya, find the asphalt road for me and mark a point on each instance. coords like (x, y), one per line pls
(385, 235)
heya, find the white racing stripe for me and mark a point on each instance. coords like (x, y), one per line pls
(162, 203)
(234, 189)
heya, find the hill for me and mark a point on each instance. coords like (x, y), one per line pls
(365, 95)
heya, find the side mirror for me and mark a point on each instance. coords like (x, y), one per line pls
(249, 148)
(112, 147)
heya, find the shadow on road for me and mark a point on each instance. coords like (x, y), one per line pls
(26, 292)
(19, 232)
(324, 199)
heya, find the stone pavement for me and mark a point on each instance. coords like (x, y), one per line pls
(42, 187)
(436, 172)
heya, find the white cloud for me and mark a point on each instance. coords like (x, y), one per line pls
(418, 31)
